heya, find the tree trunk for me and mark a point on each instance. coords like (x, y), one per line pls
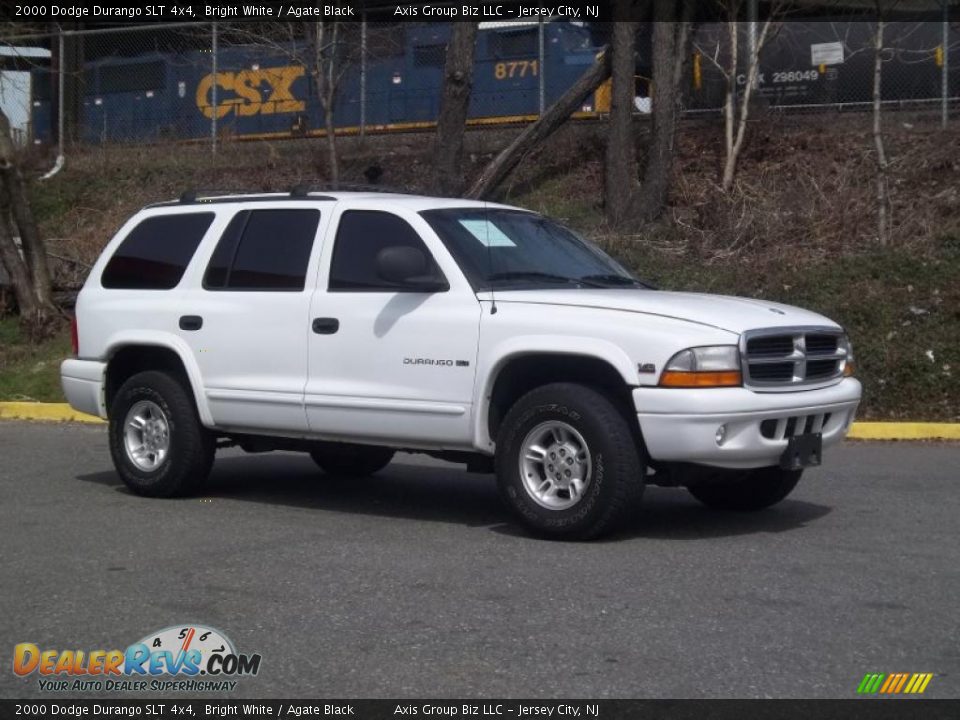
(16, 267)
(882, 229)
(511, 156)
(621, 189)
(458, 80)
(30, 278)
(18, 201)
(735, 118)
(324, 41)
(670, 50)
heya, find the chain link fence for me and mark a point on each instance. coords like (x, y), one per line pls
(819, 66)
(211, 82)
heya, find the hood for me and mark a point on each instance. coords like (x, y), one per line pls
(734, 314)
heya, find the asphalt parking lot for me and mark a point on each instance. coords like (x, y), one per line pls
(416, 583)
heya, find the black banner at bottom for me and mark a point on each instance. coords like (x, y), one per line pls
(205, 709)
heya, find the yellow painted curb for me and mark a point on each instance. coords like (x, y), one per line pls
(44, 411)
(905, 431)
(860, 431)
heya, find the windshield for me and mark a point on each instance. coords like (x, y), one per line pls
(514, 249)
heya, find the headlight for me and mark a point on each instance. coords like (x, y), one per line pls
(849, 366)
(715, 366)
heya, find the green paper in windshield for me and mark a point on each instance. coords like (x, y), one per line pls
(487, 233)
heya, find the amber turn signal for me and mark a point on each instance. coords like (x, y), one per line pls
(681, 379)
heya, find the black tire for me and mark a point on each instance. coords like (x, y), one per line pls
(617, 475)
(191, 446)
(351, 460)
(750, 491)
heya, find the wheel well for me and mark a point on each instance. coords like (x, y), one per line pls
(522, 374)
(132, 359)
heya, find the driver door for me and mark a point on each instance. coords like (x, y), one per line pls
(389, 364)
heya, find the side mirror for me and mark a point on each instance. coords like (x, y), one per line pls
(408, 268)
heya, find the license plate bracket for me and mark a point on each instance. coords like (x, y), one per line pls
(802, 451)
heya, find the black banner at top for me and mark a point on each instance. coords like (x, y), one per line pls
(133, 12)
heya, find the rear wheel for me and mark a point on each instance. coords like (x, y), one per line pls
(158, 445)
(351, 460)
(750, 491)
(567, 462)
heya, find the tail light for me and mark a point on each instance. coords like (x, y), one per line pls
(74, 336)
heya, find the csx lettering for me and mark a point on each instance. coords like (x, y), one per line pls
(240, 92)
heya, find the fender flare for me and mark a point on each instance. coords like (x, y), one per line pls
(176, 345)
(490, 367)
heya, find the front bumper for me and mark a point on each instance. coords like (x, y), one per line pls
(82, 382)
(681, 425)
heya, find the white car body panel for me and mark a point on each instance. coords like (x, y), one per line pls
(255, 366)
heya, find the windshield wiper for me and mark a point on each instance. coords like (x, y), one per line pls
(533, 275)
(611, 279)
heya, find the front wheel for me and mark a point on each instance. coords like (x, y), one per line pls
(751, 491)
(567, 462)
(351, 460)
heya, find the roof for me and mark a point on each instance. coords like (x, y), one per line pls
(393, 199)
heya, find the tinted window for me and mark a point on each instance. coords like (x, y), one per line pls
(361, 235)
(156, 252)
(264, 250)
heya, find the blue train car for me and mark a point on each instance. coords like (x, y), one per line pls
(268, 92)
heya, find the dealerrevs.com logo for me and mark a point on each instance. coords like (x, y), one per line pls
(181, 657)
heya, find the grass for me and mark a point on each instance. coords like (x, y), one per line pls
(30, 371)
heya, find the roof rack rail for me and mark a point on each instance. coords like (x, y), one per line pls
(191, 195)
(304, 190)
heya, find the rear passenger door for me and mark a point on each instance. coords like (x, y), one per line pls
(390, 365)
(246, 315)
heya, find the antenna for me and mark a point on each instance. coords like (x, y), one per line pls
(486, 230)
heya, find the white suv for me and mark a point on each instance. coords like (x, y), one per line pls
(353, 325)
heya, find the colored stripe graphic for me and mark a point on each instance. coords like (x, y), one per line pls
(894, 683)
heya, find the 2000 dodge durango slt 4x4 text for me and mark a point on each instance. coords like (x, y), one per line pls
(353, 325)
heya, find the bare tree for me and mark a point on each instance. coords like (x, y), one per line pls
(621, 187)
(670, 52)
(324, 49)
(454, 104)
(30, 274)
(882, 188)
(736, 105)
(326, 76)
(535, 133)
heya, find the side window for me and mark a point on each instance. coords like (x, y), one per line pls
(361, 235)
(156, 252)
(264, 250)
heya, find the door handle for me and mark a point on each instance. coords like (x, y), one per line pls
(191, 322)
(325, 326)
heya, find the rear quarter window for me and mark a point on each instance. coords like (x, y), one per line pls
(155, 254)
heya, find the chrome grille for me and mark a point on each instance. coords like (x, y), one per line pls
(784, 358)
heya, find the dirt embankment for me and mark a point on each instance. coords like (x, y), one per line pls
(799, 226)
